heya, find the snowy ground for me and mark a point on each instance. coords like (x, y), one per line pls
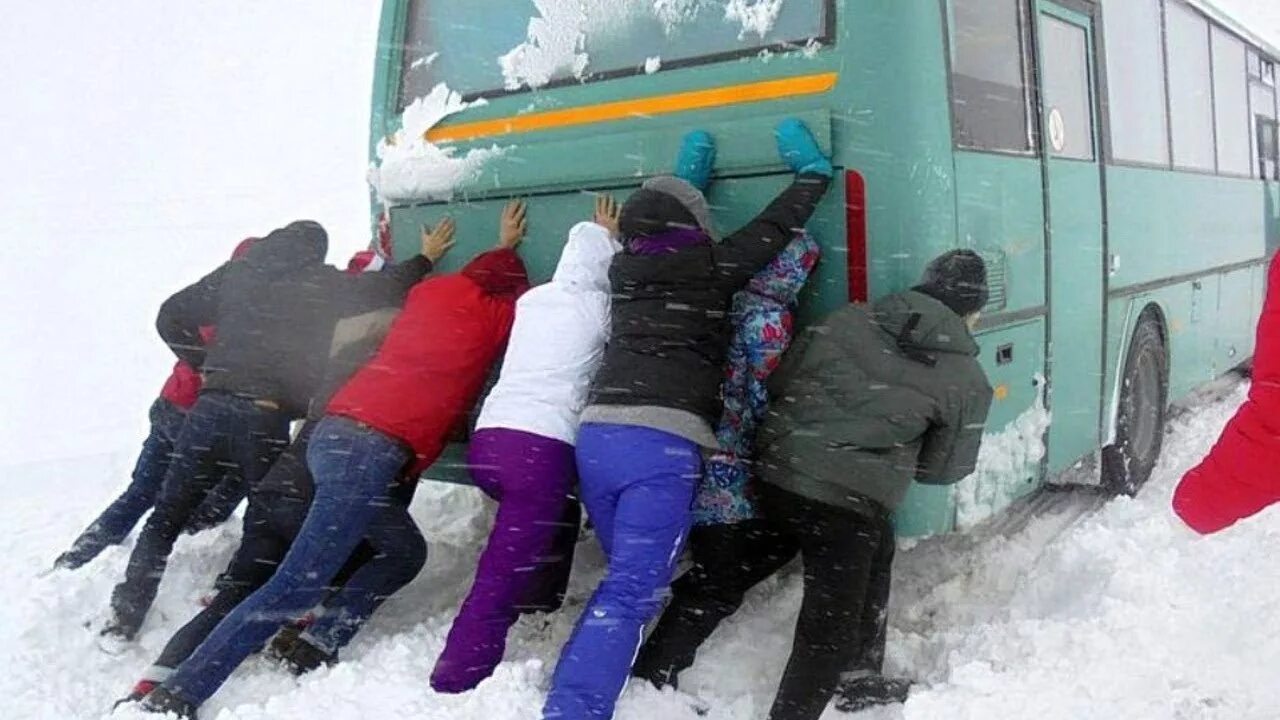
(142, 138)
(1125, 615)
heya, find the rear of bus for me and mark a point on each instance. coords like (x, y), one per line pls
(867, 77)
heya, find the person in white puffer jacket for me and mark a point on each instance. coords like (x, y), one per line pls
(522, 452)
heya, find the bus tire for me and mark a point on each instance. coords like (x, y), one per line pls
(1143, 405)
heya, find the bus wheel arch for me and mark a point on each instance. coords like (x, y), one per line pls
(1142, 406)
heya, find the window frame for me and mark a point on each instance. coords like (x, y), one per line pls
(826, 40)
(1252, 51)
(1209, 25)
(1030, 79)
(1091, 96)
(1102, 76)
(1260, 172)
(1248, 104)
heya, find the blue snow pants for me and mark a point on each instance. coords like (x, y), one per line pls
(637, 485)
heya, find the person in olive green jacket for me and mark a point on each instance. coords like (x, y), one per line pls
(870, 400)
(866, 402)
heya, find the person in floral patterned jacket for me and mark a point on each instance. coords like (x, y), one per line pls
(727, 523)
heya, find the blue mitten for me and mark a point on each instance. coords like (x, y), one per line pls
(799, 150)
(696, 160)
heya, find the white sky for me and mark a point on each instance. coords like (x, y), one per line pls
(139, 140)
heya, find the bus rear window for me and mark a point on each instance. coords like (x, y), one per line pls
(492, 47)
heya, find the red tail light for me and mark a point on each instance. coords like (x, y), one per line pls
(855, 208)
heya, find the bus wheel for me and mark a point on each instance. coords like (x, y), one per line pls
(1144, 394)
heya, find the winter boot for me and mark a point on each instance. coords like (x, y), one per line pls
(867, 691)
(115, 638)
(162, 701)
(138, 693)
(70, 560)
(304, 657)
(283, 643)
(288, 636)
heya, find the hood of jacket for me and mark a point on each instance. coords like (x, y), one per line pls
(296, 245)
(499, 272)
(584, 262)
(785, 276)
(922, 324)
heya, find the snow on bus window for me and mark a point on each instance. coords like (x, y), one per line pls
(486, 47)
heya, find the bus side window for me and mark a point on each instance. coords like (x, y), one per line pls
(1269, 148)
(989, 71)
(1262, 100)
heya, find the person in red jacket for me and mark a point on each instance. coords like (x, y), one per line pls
(168, 413)
(1239, 477)
(395, 413)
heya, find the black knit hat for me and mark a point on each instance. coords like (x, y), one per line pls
(957, 279)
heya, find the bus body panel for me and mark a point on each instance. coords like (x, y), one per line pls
(1000, 201)
(1013, 357)
(1163, 224)
(887, 118)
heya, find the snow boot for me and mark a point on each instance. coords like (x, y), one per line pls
(70, 560)
(283, 643)
(304, 657)
(162, 701)
(114, 638)
(138, 693)
(868, 691)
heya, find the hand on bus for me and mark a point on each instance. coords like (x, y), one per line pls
(799, 150)
(435, 243)
(514, 225)
(607, 214)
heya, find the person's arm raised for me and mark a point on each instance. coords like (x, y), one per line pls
(749, 249)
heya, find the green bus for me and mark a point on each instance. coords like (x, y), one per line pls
(1116, 163)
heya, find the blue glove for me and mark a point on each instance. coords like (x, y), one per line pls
(696, 160)
(799, 150)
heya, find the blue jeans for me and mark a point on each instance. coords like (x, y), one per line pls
(638, 486)
(120, 517)
(223, 433)
(354, 468)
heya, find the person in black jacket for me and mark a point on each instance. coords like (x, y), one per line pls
(277, 508)
(655, 398)
(275, 310)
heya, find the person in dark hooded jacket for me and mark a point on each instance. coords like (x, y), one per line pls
(275, 310)
(655, 398)
(278, 506)
(168, 413)
(386, 424)
(866, 402)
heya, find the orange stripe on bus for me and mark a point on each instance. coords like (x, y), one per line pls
(639, 107)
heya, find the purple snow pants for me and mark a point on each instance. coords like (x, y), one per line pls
(525, 567)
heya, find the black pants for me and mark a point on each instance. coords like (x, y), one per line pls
(275, 515)
(847, 557)
(222, 434)
(117, 521)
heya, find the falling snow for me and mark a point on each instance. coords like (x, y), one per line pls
(189, 145)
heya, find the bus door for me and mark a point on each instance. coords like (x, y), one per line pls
(1074, 227)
